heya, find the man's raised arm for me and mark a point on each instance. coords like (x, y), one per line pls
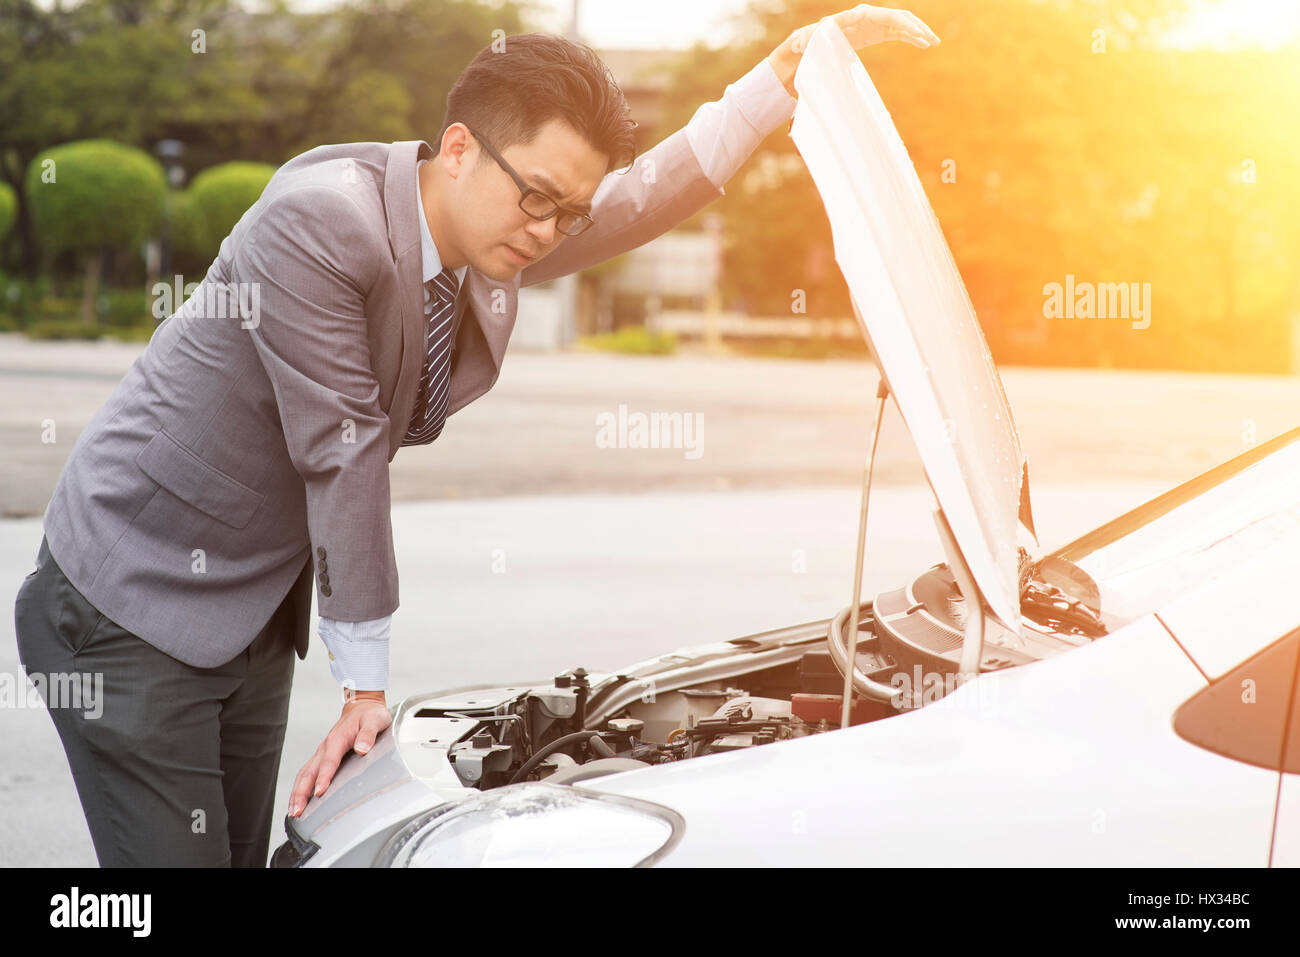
(685, 172)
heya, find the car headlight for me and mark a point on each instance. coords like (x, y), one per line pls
(536, 825)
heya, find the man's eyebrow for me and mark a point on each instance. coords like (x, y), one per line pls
(552, 187)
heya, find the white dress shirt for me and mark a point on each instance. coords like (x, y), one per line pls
(722, 134)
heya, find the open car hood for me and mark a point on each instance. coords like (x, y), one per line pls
(916, 315)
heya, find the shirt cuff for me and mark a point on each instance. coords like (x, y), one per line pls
(358, 652)
(764, 99)
(723, 133)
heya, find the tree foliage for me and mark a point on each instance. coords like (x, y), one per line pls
(227, 83)
(215, 201)
(8, 209)
(1054, 138)
(95, 193)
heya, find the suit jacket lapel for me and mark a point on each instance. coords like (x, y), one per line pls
(489, 317)
(404, 241)
(485, 308)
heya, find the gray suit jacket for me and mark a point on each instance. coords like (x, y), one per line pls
(246, 450)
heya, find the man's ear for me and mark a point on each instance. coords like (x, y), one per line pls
(455, 150)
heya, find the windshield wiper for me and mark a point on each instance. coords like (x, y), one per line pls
(1051, 606)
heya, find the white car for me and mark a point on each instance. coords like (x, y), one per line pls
(1129, 699)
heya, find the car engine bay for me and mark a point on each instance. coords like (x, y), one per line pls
(710, 699)
(698, 701)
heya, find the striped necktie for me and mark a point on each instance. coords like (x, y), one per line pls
(431, 401)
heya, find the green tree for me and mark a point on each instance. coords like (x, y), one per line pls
(215, 201)
(89, 196)
(8, 209)
(124, 69)
(1052, 138)
(228, 83)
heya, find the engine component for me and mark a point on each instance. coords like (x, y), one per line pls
(629, 726)
(594, 769)
(703, 702)
(589, 738)
(923, 624)
(758, 708)
(479, 756)
(815, 708)
(818, 674)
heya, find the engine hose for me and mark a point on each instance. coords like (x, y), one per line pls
(597, 745)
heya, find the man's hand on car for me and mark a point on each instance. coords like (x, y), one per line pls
(365, 716)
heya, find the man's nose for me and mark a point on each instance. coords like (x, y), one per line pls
(542, 230)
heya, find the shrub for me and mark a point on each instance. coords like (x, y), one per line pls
(8, 209)
(213, 204)
(64, 329)
(635, 340)
(21, 297)
(101, 194)
(91, 195)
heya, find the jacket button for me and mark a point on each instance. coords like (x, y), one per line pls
(320, 551)
(324, 578)
(325, 590)
(322, 566)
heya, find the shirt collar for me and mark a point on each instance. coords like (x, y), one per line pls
(428, 251)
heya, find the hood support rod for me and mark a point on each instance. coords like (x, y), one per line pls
(851, 618)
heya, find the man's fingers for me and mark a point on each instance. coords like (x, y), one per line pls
(801, 38)
(335, 747)
(902, 25)
(373, 722)
(921, 29)
(352, 730)
(302, 785)
(865, 25)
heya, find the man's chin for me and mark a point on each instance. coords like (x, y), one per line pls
(496, 268)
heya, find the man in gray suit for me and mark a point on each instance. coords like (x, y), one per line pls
(368, 294)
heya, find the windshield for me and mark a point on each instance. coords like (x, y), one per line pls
(1243, 515)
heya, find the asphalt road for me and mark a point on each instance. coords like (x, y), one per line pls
(766, 423)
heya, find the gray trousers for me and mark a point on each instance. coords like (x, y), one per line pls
(175, 766)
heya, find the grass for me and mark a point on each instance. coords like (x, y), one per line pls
(64, 329)
(633, 340)
(57, 329)
(798, 348)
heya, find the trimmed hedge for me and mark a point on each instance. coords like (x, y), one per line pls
(633, 340)
(206, 212)
(95, 193)
(8, 209)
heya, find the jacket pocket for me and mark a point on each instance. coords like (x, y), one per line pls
(180, 471)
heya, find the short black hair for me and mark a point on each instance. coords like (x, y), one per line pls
(517, 84)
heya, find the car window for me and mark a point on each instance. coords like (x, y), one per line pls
(1252, 713)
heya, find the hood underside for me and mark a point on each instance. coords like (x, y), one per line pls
(916, 315)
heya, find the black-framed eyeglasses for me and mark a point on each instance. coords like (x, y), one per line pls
(536, 203)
